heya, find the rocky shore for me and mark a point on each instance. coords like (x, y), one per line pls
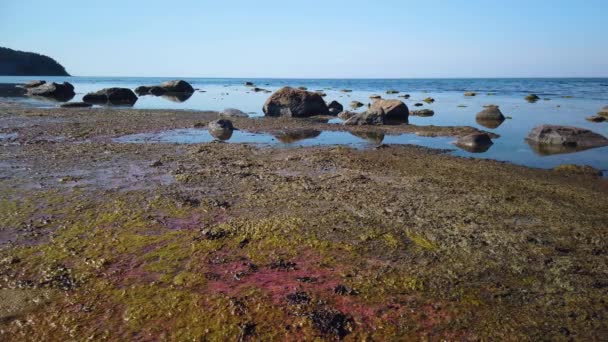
(108, 241)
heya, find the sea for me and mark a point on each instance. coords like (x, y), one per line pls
(563, 101)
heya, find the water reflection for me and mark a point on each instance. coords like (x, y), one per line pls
(295, 135)
(548, 149)
(177, 97)
(474, 148)
(491, 124)
(371, 136)
(221, 134)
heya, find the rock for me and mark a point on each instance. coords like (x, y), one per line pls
(177, 97)
(234, 113)
(367, 118)
(470, 93)
(596, 118)
(58, 91)
(259, 90)
(346, 91)
(429, 100)
(33, 84)
(356, 104)
(423, 112)
(150, 90)
(566, 136)
(111, 96)
(532, 98)
(375, 97)
(321, 93)
(392, 91)
(302, 88)
(393, 110)
(12, 90)
(418, 104)
(177, 86)
(335, 108)
(578, 170)
(490, 113)
(475, 143)
(405, 96)
(346, 115)
(221, 129)
(294, 135)
(603, 112)
(249, 84)
(295, 103)
(76, 105)
(157, 91)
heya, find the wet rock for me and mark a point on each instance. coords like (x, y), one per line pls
(291, 136)
(295, 103)
(249, 84)
(375, 97)
(490, 117)
(356, 104)
(418, 104)
(596, 118)
(12, 90)
(423, 112)
(177, 86)
(111, 96)
(579, 170)
(346, 91)
(532, 98)
(33, 84)
(475, 143)
(345, 115)
(234, 113)
(393, 110)
(302, 88)
(566, 136)
(429, 100)
(470, 93)
(177, 97)
(367, 118)
(57, 91)
(335, 108)
(76, 105)
(332, 322)
(221, 129)
(405, 96)
(392, 91)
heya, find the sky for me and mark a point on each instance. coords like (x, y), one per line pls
(314, 39)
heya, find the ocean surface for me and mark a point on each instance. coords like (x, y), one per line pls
(565, 101)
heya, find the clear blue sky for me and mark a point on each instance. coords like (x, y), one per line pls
(316, 39)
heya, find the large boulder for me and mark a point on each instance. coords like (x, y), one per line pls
(475, 143)
(111, 96)
(295, 103)
(566, 136)
(177, 86)
(392, 110)
(335, 108)
(367, 118)
(57, 91)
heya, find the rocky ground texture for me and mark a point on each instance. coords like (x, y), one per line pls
(108, 241)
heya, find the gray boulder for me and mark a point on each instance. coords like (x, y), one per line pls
(490, 113)
(57, 91)
(295, 103)
(392, 110)
(367, 118)
(566, 136)
(111, 96)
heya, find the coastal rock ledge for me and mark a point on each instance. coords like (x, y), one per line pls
(566, 136)
(295, 103)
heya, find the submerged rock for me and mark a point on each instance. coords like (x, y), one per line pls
(367, 118)
(111, 96)
(234, 113)
(393, 110)
(295, 103)
(470, 93)
(57, 91)
(423, 112)
(249, 84)
(76, 105)
(475, 143)
(532, 98)
(429, 100)
(221, 129)
(405, 96)
(566, 136)
(335, 108)
(392, 91)
(356, 104)
(596, 118)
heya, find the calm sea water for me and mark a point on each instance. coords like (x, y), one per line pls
(563, 102)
